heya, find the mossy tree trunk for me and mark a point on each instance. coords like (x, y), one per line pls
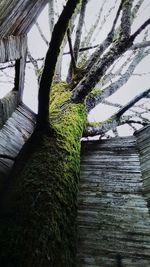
(39, 227)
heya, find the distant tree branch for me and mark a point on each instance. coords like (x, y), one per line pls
(73, 60)
(34, 63)
(139, 30)
(136, 9)
(134, 121)
(92, 100)
(117, 119)
(41, 33)
(136, 110)
(51, 15)
(90, 33)
(79, 28)
(105, 44)
(83, 49)
(140, 45)
(132, 102)
(75, 50)
(118, 47)
(133, 47)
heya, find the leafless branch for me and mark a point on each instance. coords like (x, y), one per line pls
(105, 44)
(125, 27)
(73, 60)
(132, 102)
(117, 119)
(51, 15)
(83, 49)
(90, 33)
(140, 45)
(41, 33)
(35, 65)
(139, 30)
(75, 51)
(136, 9)
(92, 101)
(79, 29)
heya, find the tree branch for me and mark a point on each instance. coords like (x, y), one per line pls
(132, 102)
(118, 47)
(51, 15)
(41, 33)
(83, 49)
(139, 30)
(90, 33)
(116, 120)
(75, 51)
(125, 27)
(105, 44)
(79, 29)
(92, 100)
(73, 60)
(136, 9)
(50, 63)
(140, 45)
(34, 63)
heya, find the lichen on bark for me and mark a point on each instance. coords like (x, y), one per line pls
(39, 227)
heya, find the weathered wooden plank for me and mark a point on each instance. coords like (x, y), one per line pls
(12, 48)
(143, 142)
(8, 105)
(113, 217)
(29, 114)
(17, 16)
(22, 123)
(13, 135)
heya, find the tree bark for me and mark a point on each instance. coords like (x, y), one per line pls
(38, 225)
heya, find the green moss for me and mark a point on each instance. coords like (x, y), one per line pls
(41, 229)
(99, 124)
(93, 124)
(95, 92)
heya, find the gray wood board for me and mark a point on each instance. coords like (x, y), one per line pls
(14, 134)
(113, 218)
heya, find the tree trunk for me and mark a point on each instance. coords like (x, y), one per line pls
(38, 225)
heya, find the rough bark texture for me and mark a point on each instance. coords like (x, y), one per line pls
(37, 226)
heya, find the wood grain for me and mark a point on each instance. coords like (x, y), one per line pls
(113, 218)
(13, 136)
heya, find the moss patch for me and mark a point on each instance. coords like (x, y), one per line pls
(95, 92)
(41, 227)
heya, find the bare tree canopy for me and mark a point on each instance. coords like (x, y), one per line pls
(93, 74)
